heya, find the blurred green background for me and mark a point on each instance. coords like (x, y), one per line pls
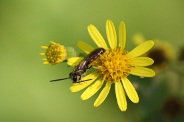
(25, 91)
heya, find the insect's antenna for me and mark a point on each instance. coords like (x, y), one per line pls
(85, 80)
(59, 79)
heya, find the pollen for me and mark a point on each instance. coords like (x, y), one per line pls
(113, 65)
(55, 53)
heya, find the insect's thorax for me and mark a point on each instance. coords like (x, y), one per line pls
(81, 67)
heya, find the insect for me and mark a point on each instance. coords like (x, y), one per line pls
(82, 66)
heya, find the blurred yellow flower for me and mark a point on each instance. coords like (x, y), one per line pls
(161, 52)
(181, 55)
(113, 66)
(55, 53)
(173, 107)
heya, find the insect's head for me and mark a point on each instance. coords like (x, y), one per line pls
(102, 51)
(75, 77)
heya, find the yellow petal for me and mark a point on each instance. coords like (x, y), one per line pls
(84, 47)
(141, 49)
(74, 61)
(141, 61)
(79, 86)
(91, 90)
(103, 94)
(138, 38)
(52, 42)
(130, 90)
(96, 36)
(45, 62)
(42, 54)
(120, 96)
(44, 59)
(122, 34)
(111, 34)
(142, 71)
(44, 47)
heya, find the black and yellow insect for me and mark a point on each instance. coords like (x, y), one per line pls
(82, 66)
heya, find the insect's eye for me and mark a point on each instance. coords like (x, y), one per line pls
(75, 78)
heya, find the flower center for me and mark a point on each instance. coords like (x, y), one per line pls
(113, 65)
(55, 53)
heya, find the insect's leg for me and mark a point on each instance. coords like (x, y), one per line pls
(79, 77)
(75, 82)
(89, 67)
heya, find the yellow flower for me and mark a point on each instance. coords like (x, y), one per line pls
(138, 38)
(113, 66)
(55, 53)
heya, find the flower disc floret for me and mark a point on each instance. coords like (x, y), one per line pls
(55, 53)
(113, 65)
